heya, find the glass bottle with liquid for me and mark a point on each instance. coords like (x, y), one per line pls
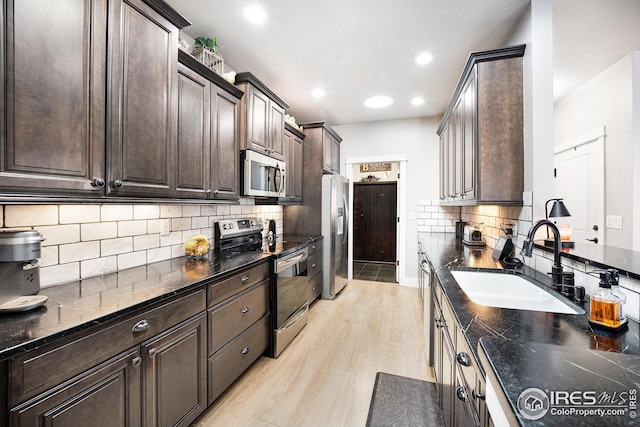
(606, 307)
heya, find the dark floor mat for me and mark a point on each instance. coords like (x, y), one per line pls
(402, 401)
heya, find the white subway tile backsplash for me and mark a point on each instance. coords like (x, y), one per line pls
(154, 226)
(146, 212)
(30, 216)
(98, 266)
(191, 210)
(78, 214)
(48, 256)
(174, 238)
(132, 228)
(200, 222)
(233, 210)
(159, 254)
(147, 241)
(79, 251)
(99, 231)
(180, 224)
(116, 246)
(60, 273)
(60, 234)
(133, 259)
(170, 211)
(116, 212)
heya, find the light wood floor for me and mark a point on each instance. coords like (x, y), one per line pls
(325, 377)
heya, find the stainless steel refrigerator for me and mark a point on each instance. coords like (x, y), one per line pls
(335, 232)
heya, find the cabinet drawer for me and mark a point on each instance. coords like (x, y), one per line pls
(230, 319)
(314, 264)
(231, 361)
(315, 247)
(226, 288)
(315, 287)
(44, 368)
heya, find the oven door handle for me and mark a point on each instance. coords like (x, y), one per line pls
(285, 263)
(293, 319)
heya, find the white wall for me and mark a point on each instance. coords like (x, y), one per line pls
(606, 100)
(417, 140)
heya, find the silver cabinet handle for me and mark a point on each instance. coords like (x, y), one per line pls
(480, 396)
(463, 359)
(313, 266)
(117, 183)
(97, 182)
(152, 352)
(461, 393)
(245, 279)
(136, 361)
(245, 310)
(142, 325)
(245, 350)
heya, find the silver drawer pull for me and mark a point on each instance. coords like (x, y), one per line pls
(245, 279)
(461, 393)
(245, 350)
(463, 359)
(480, 396)
(152, 352)
(142, 325)
(136, 361)
(313, 266)
(245, 310)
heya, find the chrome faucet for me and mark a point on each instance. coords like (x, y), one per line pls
(527, 249)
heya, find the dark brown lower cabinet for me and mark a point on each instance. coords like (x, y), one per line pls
(106, 396)
(175, 375)
(375, 221)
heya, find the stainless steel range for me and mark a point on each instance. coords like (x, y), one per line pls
(289, 280)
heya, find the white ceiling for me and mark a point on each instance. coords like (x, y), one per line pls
(357, 48)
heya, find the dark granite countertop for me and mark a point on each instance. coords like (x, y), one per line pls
(517, 329)
(626, 261)
(76, 306)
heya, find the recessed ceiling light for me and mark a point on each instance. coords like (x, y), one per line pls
(255, 14)
(379, 101)
(418, 100)
(318, 93)
(423, 58)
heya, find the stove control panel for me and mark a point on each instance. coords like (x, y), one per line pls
(239, 226)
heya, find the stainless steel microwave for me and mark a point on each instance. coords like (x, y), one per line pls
(262, 176)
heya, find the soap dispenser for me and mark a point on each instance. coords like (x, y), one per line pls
(615, 289)
(606, 307)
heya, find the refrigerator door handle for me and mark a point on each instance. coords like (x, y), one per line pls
(345, 219)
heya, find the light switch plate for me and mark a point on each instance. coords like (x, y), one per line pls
(165, 227)
(614, 221)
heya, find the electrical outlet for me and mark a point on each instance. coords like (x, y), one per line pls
(165, 227)
(614, 221)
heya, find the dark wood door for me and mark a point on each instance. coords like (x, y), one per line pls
(108, 396)
(374, 221)
(175, 378)
(257, 120)
(193, 134)
(225, 161)
(53, 88)
(143, 91)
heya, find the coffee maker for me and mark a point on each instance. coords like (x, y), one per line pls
(20, 270)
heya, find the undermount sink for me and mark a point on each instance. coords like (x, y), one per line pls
(511, 291)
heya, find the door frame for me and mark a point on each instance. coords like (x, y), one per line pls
(401, 231)
(596, 137)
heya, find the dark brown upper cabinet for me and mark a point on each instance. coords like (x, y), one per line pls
(330, 141)
(482, 132)
(293, 157)
(142, 100)
(262, 117)
(52, 134)
(208, 133)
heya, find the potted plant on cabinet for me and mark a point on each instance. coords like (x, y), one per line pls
(206, 51)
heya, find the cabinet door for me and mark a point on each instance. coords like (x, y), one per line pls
(194, 139)
(52, 114)
(276, 131)
(296, 174)
(444, 163)
(108, 395)
(458, 138)
(327, 146)
(448, 379)
(257, 120)
(464, 414)
(225, 162)
(469, 137)
(290, 165)
(175, 375)
(335, 156)
(142, 100)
